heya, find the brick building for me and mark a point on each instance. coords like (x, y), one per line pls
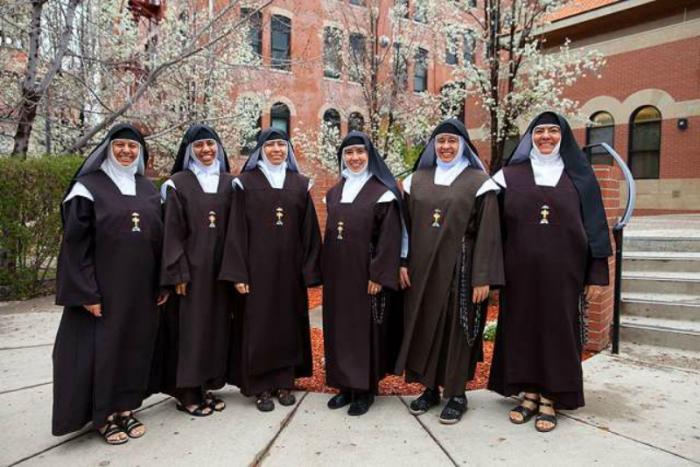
(647, 103)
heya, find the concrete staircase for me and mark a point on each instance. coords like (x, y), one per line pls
(661, 283)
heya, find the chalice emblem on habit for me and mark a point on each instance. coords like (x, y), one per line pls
(544, 214)
(279, 213)
(135, 219)
(212, 220)
(341, 227)
(437, 214)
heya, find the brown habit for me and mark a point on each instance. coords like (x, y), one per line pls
(539, 335)
(273, 244)
(360, 332)
(448, 255)
(196, 328)
(102, 365)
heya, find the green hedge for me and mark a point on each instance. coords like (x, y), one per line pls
(31, 191)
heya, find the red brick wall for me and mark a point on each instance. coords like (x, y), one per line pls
(600, 310)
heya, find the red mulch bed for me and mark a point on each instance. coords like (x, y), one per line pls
(391, 385)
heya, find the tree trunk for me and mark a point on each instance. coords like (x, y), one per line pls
(27, 114)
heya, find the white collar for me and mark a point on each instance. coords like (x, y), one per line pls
(354, 181)
(124, 176)
(275, 174)
(547, 169)
(446, 173)
(207, 175)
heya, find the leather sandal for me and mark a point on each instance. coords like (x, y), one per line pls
(198, 411)
(453, 410)
(129, 423)
(264, 402)
(545, 417)
(525, 412)
(110, 430)
(214, 402)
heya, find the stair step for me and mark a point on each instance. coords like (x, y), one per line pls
(637, 242)
(677, 334)
(664, 282)
(664, 306)
(664, 261)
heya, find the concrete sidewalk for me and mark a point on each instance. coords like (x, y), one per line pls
(637, 414)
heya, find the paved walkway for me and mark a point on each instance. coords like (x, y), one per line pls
(637, 414)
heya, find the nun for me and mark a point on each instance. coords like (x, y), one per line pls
(107, 280)
(453, 258)
(556, 245)
(360, 264)
(271, 256)
(196, 325)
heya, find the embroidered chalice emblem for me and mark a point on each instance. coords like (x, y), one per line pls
(135, 219)
(341, 227)
(212, 220)
(544, 214)
(437, 215)
(279, 213)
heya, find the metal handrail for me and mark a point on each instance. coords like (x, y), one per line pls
(618, 229)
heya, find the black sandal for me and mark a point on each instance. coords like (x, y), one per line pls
(545, 417)
(264, 402)
(430, 398)
(453, 410)
(214, 402)
(112, 429)
(129, 423)
(198, 411)
(285, 397)
(526, 413)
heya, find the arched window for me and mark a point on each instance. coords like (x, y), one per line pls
(356, 122)
(645, 142)
(255, 29)
(279, 117)
(358, 57)
(452, 97)
(331, 118)
(281, 42)
(600, 130)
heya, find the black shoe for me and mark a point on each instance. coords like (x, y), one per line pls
(264, 402)
(361, 404)
(454, 409)
(340, 400)
(285, 397)
(430, 398)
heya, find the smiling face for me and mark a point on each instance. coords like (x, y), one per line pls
(355, 157)
(275, 151)
(205, 151)
(546, 138)
(125, 151)
(447, 146)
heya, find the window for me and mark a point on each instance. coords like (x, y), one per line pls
(452, 97)
(601, 130)
(420, 75)
(420, 13)
(331, 118)
(255, 31)
(402, 7)
(281, 42)
(252, 138)
(358, 57)
(330, 132)
(471, 3)
(357, 2)
(356, 122)
(279, 117)
(645, 142)
(469, 45)
(450, 49)
(400, 67)
(332, 65)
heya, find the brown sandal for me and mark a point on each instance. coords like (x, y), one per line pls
(110, 430)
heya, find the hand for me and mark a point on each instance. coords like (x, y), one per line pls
(181, 288)
(242, 288)
(404, 280)
(373, 288)
(162, 298)
(592, 291)
(480, 293)
(95, 310)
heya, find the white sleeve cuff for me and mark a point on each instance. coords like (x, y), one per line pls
(406, 184)
(387, 197)
(164, 188)
(79, 190)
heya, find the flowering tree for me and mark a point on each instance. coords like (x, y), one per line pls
(514, 76)
(165, 70)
